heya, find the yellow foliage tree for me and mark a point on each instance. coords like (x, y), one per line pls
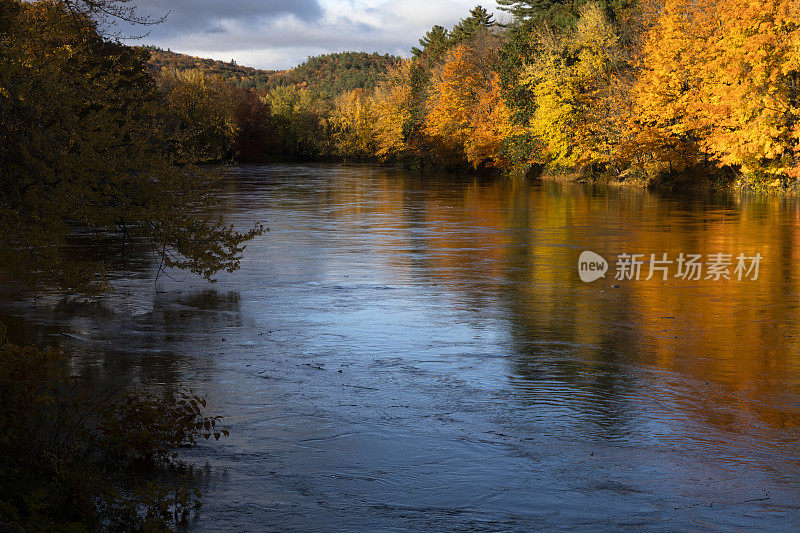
(721, 76)
(581, 102)
(301, 118)
(201, 108)
(668, 87)
(391, 105)
(353, 121)
(748, 101)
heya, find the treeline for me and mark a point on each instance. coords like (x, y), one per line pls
(618, 89)
(659, 88)
(292, 115)
(623, 90)
(238, 75)
(327, 74)
(332, 74)
(635, 90)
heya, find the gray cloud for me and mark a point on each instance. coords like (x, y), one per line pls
(206, 15)
(219, 28)
(277, 34)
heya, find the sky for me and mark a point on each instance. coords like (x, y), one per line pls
(279, 34)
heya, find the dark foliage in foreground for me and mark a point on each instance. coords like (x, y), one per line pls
(87, 141)
(73, 459)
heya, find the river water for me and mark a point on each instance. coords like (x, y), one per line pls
(417, 352)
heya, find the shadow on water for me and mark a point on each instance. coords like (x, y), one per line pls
(153, 339)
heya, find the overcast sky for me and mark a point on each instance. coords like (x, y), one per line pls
(278, 34)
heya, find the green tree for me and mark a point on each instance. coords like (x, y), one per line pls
(479, 20)
(518, 49)
(559, 14)
(435, 42)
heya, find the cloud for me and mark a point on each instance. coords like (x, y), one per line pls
(281, 34)
(192, 15)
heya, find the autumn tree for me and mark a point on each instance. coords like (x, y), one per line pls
(467, 118)
(598, 69)
(401, 100)
(200, 108)
(87, 151)
(392, 103)
(301, 119)
(353, 123)
(571, 78)
(83, 144)
(667, 89)
(748, 99)
(720, 82)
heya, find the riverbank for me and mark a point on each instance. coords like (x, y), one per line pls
(695, 180)
(701, 180)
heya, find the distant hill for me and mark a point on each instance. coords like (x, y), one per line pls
(330, 74)
(339, 72)
(229, 71)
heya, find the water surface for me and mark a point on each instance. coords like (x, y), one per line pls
(405, 351)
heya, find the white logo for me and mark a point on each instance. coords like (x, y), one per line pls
(591, 266)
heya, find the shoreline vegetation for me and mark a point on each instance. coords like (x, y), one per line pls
(660, 93)
(75, 458)
(653, 93)
(92, 157)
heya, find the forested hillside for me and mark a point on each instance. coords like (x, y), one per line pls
(334, 74)
(328, 74)
(240, 76)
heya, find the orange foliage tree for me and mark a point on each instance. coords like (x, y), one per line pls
(467, 117)
(721, 77)
(751, 83)
(668, 87)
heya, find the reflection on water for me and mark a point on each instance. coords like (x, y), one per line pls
(404, 351)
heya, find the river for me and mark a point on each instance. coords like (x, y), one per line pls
(417, 352)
